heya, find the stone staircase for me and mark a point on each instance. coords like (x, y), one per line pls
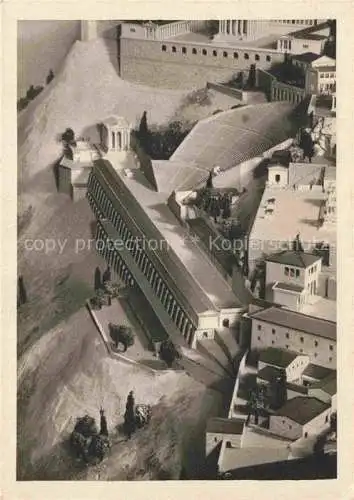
(212, 350)
(226, 339)
(256, 98)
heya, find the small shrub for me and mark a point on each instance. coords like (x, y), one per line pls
(121, 334)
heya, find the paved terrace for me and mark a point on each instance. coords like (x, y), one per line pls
(189, 268)
(294, 212)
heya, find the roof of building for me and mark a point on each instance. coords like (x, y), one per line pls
(116, 121)
(230, 138)
(277, 357)
(297, 321)
(302, 409)
(295, 211)
(288, 287)
(218, 425)
(327, 384)
(295, 259)
(182, 262)
(301, 389)
(324, 60)
(309, 36)
(317, 372)
(307, 57)
(325, 68)
(268, 373)
(310, 30)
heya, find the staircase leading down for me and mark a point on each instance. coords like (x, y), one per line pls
(211, 349)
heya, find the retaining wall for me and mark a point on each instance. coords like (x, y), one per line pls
(181, 64)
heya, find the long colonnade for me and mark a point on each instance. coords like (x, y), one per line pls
(105, 211)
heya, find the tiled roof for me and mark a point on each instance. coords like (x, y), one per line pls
(268, 373)
(219, 425)
(116, 121)
(277, 357)
(300, 389)
(307, 57)
(288, 287)
(317, 372)
(297, 321)
(325, 68)
(310, 30)
(327, 385)
(310, 36)
(302, 409)
(292, 258)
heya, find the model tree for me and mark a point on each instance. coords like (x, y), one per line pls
(307, 145)
(103, 423)
(168, 352)
(209, 182)
(107, 276)
(251, 82)
(278, 390)
(22, 294)
(297, 244)
(68, 137)
(49, 77)
(333, 423)
(121, 334)
(143, 127)
(97, 279)
(214, 209)
(226, 207)
(129, 415)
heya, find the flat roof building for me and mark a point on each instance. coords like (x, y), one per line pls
(184, 289)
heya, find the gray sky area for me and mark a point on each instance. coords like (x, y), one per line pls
(42, 45)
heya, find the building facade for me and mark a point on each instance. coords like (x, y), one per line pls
(295, 420)
(321, 77)
(115, 134)
(292, 278)
(242, 29)
(293, 331)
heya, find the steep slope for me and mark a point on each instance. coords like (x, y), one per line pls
(68, 373)
(83, 93)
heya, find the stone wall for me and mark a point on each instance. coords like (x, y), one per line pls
(185, 65)
(232, 92)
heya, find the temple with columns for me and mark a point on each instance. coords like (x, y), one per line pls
(253, 29)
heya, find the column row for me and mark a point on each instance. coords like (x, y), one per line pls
(234, 27)
(160, 289)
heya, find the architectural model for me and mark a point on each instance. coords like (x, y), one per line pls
(177, 253)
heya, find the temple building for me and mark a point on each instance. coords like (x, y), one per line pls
(115, 134)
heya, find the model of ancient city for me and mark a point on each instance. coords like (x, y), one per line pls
(177, 251)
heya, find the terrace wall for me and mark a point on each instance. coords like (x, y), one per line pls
(178, 64)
